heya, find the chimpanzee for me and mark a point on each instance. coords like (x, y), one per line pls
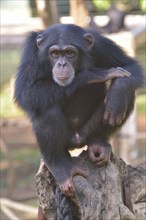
(61, 85)
(116, 19)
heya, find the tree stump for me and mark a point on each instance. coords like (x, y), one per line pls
(116, 191)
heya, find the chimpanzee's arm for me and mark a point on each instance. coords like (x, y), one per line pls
(95, 75)
(120, 96)
(38, 96)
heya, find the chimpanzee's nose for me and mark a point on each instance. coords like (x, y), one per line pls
(62, 63)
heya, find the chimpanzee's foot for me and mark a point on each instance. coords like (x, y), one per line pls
(66, 184)
(99, 154)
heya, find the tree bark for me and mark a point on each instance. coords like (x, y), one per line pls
(114, 192)
(79, 12)
(47, 10)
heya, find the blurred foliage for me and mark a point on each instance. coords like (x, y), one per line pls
(25, 164)
(27, 155)
(141, 55)
(128, 5)
(7, 108)
(143, 5)
(102, 5)
(9, 62)
(141, 104)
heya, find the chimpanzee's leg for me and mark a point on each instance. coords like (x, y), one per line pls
(52, 136)
(96, 75)
(79, 139)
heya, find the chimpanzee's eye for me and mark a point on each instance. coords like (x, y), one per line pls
(55, 53)
(70, 53)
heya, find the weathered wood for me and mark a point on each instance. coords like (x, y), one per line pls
(79, 12)
(18, 206)
(113, 192)
(6, 206)
(47, 10)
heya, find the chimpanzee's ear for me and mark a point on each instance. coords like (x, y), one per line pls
(89, 40)
(39, 41)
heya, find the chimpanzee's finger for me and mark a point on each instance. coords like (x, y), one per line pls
(112, 119)
(106, 116)
(125, 72)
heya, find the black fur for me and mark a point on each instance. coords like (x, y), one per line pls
(58, 112)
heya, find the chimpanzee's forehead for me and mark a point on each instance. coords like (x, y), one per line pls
(64, 34)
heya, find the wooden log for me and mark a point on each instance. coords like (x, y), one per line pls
(9, 213)
(113, 192)
(18, 206)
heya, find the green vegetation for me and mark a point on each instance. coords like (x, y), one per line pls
(136, 5)
(28, 155)
(141, 104)
(143, 5)
(102, 5)
(7, 107)
(9, 62)
(141, 55)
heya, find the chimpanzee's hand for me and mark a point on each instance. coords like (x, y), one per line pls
(116, 104)
(66, 173)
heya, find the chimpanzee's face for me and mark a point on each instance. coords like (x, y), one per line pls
(65, 53)
(64, 60)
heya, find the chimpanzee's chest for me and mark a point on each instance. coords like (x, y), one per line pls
(79, 107)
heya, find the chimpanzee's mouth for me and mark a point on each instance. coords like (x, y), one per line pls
(62, 78)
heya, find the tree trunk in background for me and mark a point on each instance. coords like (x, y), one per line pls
(47, 10)
(79, 11)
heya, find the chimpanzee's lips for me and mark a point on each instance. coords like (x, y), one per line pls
(62, 78)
